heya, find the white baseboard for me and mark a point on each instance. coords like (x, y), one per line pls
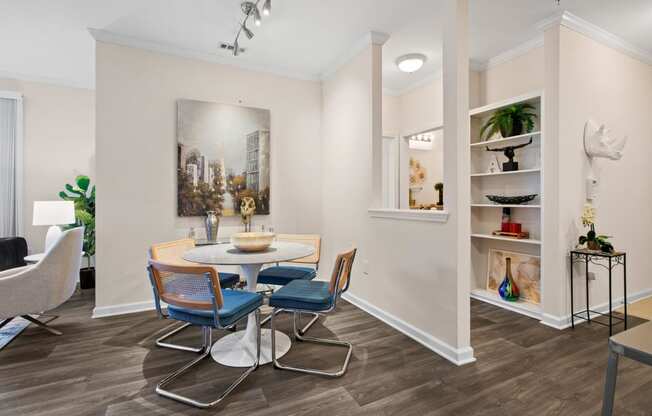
(123, 309)
(458, 356)
(563, 322)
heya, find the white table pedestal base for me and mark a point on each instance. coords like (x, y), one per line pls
(234, 351)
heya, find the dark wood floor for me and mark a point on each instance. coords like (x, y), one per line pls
(110, 367)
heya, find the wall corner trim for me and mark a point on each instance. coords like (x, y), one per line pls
(122, 309)
(458, 356)
(370, 38)
(596, 33)
(105, 36)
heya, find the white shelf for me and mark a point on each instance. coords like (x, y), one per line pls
(491, 108)
(504, 206)
(522, 307)
(514, 172)
(510, 239)
(505, 140)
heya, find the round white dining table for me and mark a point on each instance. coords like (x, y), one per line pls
(239, 349)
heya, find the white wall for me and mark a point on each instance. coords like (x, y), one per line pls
(606, 85)
(58, 144)
(406, 269)
(521, 75)
(136, 146)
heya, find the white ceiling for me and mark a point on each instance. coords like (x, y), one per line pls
(48, 39)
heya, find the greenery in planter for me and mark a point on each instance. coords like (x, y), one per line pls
(83, 195)
(592, 240)
(510, 121)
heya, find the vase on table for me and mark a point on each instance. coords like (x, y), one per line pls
(508, 289)
(212, 222)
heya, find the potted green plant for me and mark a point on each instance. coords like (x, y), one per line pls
(510, 121)
(592, 240)
(83, 196)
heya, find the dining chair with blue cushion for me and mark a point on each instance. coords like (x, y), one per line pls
(194, 295)
(171, 252)
(304, 269)
(312, 296)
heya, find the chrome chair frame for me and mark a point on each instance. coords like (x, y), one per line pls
(37, 322)
(299, 337)
(205, 350)
(160, 342)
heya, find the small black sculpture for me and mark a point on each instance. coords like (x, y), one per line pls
(508, 151)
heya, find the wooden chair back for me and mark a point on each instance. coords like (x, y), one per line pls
(341, 276)
(307, 239)
(185, 286)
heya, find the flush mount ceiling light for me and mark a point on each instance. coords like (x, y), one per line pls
(249, 9)
(411, 62)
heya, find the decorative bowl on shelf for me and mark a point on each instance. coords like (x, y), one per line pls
(252, 242)
(511, 200)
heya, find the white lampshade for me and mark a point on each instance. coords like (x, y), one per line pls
(53, 213)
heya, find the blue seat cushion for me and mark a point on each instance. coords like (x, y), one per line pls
(311, 295)
(228, 279)
(237, 305)
(282, 275)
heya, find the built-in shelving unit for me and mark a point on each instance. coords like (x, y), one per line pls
(486, 215)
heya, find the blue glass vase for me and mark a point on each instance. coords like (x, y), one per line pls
(508, 289)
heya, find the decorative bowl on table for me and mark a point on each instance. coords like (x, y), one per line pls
(511, 200)
(252, 242)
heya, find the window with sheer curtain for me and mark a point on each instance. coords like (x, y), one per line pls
(10, 164)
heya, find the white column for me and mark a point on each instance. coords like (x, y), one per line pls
(457, 155)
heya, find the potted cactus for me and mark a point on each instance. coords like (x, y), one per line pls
(83, 196)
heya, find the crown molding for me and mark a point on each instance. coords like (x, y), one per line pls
(596, 33)
(370, 38)
(511, 54)
(45, 80)
(106, 36)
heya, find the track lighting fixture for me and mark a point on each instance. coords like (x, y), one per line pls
(249, 9)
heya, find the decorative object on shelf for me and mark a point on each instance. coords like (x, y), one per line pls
(439, 188)
(212, 223)
(509, 153)
(250, 10)
(247, 210)
(506, 219)
(598, 144)
(252, 242)
(219, 163)
(591, 239)
(83, 197)
(508, 289)
(494, 166)
(510, 121)
(417, 173)
(525, 271)
(511, 200)
(517, 235)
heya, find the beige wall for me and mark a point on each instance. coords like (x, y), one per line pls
(58, 144)
(518, 76)
(136, 146)
(600, 83)
(406, 269)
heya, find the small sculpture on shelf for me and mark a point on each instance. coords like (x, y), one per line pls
(247, 210)
(439, 188)
(509, 153)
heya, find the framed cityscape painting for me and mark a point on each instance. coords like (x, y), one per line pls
(223, 155)
(526, 271)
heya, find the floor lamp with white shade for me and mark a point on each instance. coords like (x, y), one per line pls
(54, 214)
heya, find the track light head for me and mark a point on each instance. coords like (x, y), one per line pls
(248, 33)
(267, 8)
(256, 14)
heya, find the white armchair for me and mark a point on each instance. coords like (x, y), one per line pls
(34, 289)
